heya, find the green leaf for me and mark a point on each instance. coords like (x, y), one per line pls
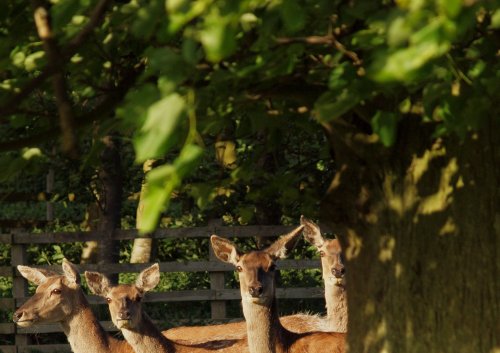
(162, 119)
(134, 111)
(166, 62)
(495, 20)
(62, 12)
(162, 181)
(384, 124)
(429, 43)
(218, 36)
(147, 18)
(293, 15)
(191, 51)
(188, 159)
(341, 76)
(34, 60)
(450, 8)
(332, 105)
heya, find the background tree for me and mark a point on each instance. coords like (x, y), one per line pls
(402, 94)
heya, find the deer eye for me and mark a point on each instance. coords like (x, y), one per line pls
(138, 298)
(108, 300)
(239, 268)
(322, 253)
(55, 291)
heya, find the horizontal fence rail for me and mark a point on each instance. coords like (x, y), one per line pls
(217, 295)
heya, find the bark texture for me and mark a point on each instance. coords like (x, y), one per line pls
(417, 222)
(110, 176)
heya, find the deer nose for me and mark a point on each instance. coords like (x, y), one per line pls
(256, 291)
(338, 271)
(124, 315)
(17, 316)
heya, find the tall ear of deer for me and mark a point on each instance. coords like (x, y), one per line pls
(257, 285)
(60, 299)
(125, 307)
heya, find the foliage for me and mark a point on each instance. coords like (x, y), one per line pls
(252, 72)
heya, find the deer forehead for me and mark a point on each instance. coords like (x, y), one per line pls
(124, 291)
(331, 247)
(51, 283)
(256, 260)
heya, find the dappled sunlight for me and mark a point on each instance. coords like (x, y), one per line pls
(369, 308)
(441, 199)
(29, 153)
(376, 335)
(398, 202)
(387, 244)
(420, 166)
(448, 228)
(355, 244)
(398, 270)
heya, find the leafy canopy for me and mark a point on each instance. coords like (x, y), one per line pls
(180, 77)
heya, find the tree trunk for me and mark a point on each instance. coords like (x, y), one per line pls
(110, 176)
(142, 250)
(418, 224)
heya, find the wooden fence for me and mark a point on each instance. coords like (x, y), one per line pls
(217, 294)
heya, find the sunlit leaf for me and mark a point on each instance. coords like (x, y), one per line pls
(495, 20)
(218, 36)
(162, 118)
(384, 124)
(293, 15)
(162, 181)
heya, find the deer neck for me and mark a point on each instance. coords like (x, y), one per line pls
(264, 330)
(147, 338)
(85, 333)
(336, 306)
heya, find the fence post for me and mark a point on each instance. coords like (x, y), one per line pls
(19, 285)
(218, 307)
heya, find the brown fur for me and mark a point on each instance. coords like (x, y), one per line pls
(333, 277)
(59, 298)
(257, 285)
(125, 306)
(335, 297)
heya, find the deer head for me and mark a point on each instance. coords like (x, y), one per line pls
(124, 300)
(55, 296)
(329, 250)
(256, 269)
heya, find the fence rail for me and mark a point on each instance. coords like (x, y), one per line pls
(217, 295)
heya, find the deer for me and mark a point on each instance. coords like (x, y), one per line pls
(125, 306)
(256, 272)
(333, 272)
(60, 299)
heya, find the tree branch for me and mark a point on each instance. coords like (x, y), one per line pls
(328, 39)
(95, 19)
(100, 112)
(55, 59)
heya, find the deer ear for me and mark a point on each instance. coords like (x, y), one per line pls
(282, 247)
(225, 250)
(148, 278)
(98, 283)
(311, 232)
(71, 272)
(35, 275)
